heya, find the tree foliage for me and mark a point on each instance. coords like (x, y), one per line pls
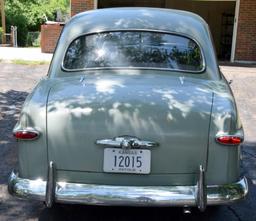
(28, 15)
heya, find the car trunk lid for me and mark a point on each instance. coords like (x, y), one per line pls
(169, 110)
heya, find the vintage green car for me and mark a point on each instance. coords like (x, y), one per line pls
(135, 112)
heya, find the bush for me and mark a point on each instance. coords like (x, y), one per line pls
(1, 34)
(33, 39)
(20, 21)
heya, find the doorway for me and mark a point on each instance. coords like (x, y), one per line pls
(131, 3)
(219, 15)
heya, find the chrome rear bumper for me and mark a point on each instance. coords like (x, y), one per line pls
(126, 195)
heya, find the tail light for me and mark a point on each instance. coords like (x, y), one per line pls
(229, 139)
(26, 134)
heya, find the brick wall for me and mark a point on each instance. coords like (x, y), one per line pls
(78, 6)
(246, 33)
(49, 37)
(50, 33)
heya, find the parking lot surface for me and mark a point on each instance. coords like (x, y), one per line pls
(16, 81)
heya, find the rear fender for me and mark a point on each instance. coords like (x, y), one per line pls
(33, 153)
(223, 160)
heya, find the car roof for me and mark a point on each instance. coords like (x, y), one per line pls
(168, 20)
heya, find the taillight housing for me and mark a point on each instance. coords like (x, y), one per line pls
(229, 139)
(26, 134)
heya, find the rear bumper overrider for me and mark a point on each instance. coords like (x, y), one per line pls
(199, 195)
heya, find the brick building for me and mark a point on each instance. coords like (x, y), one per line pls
(49, 36)
(232, 22)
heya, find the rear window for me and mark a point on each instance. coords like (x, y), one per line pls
(134, 49)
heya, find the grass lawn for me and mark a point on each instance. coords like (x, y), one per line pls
(25, 62)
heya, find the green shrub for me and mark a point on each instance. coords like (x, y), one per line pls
(37, 41)
(1, 34)
(20, 21)
(33, 39)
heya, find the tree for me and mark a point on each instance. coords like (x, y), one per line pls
(28, 15)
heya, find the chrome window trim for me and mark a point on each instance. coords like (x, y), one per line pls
(136, 68)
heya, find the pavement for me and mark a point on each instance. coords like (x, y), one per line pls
(16, 81)
(244, 89)
(27, 54)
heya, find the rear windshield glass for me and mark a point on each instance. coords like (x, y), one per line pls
(133, 49)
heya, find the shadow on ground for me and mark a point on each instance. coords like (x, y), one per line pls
(10, 105)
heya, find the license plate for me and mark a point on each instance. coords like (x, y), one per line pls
(127, 161)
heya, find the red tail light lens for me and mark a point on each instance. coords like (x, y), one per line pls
(229, 140)
(26, 135)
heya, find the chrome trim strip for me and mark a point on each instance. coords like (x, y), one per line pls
(126, 195)
(132, 68)
(136, 68)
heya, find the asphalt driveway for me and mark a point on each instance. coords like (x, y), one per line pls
(16, 81)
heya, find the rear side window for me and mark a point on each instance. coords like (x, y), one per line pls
(134, 49)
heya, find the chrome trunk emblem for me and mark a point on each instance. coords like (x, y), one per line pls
(127, 142)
